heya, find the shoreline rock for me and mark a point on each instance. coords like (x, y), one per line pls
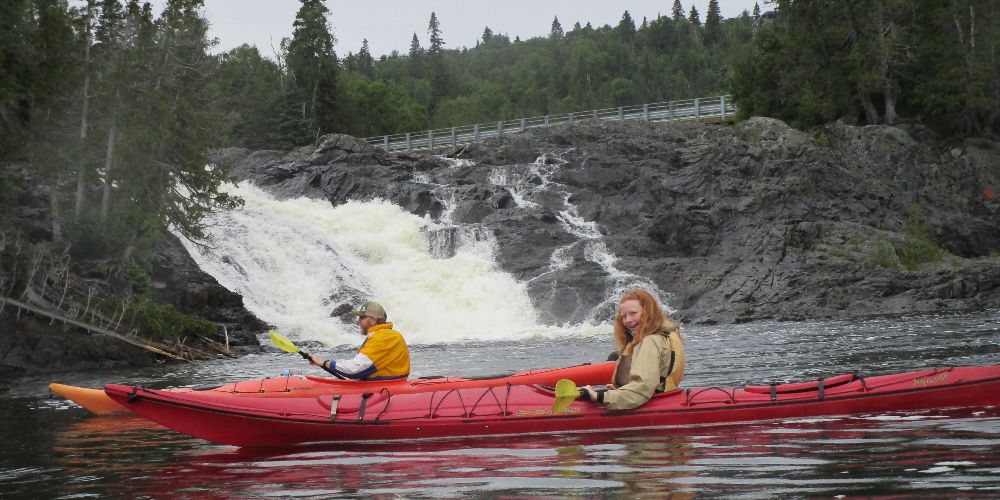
(734, 223)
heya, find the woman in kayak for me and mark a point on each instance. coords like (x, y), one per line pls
(383, 355)
(652, 353)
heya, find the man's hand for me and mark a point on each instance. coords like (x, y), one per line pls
(313, 360)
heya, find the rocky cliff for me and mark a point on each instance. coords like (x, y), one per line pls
(36, 343)
(730, 223)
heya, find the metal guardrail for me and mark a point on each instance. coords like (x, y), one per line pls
(699, 108)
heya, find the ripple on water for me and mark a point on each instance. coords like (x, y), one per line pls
(53, 449)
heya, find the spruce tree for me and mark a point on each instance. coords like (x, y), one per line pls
(435, 63)
(416, 59)
(713, 23)
(677, 12)
(313, 68)
(366, 64)
(556, 32)
(626, 26)
(693, 16)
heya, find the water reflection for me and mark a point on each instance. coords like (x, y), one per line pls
(53, 449)
(921, 452)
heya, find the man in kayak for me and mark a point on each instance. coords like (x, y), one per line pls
(652, 354)
(383, 355)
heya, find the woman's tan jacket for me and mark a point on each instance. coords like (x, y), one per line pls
(649, 371)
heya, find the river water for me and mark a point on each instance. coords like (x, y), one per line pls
(50, 448)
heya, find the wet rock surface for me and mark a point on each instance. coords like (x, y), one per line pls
(731, 223)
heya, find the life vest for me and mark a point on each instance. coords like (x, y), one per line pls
(388, 352)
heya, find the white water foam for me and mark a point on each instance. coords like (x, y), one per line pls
(294, 261)
(531, 181)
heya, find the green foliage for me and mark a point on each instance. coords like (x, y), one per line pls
(876, 62)
(885, 253)
(248, 95)
(919, 248)
(380, 108)
(107, 95)
(163, 322)
(433, 86)
(313, 71)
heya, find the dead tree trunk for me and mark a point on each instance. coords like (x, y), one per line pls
(109, 157)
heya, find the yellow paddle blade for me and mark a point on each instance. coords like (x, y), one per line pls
(566, 393)
(282, 342)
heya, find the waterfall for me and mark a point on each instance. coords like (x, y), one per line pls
(296, 261)
(530, 182)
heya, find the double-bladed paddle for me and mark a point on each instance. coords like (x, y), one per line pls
(283, 343)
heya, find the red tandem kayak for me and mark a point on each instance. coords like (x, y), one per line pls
(527, 409)
(98, 402)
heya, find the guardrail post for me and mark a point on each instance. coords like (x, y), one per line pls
(569, 117)
(522, 124)
(453, 143)
(722, 107)
(407, 142)
(621, 114)
(430, 141)
(645, 112)
(546, 120)
(475, 130)
(697, 111)
(500, 129)
(385, 143)
(595, 114)
(670, 105)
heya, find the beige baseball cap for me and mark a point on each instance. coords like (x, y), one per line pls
(370, 308)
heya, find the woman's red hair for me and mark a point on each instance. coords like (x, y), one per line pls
(652, 320)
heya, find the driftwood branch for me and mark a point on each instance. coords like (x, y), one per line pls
(179, 351)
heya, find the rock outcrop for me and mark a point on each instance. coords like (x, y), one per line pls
(732, 223)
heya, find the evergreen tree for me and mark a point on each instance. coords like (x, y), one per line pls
(435, 63)
(168, 129)
(249, 91)
(416, 63)
(954, 67)
(677, 12)
(693, 16)
(875, 63)
(556, 32)
(415, 49)
(626, 27)
(313, 68)
(54, 73)
(487, 35)
(365, 61)
(713, 23)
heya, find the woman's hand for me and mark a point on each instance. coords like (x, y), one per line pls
(313, 360)
(590, 392)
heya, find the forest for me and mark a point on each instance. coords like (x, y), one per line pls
(109, 110)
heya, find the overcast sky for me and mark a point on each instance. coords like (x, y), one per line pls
(389, 24)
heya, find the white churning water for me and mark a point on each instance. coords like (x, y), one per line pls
(295, 261)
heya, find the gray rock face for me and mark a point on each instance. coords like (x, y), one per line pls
(729, 223)
(178, 281)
